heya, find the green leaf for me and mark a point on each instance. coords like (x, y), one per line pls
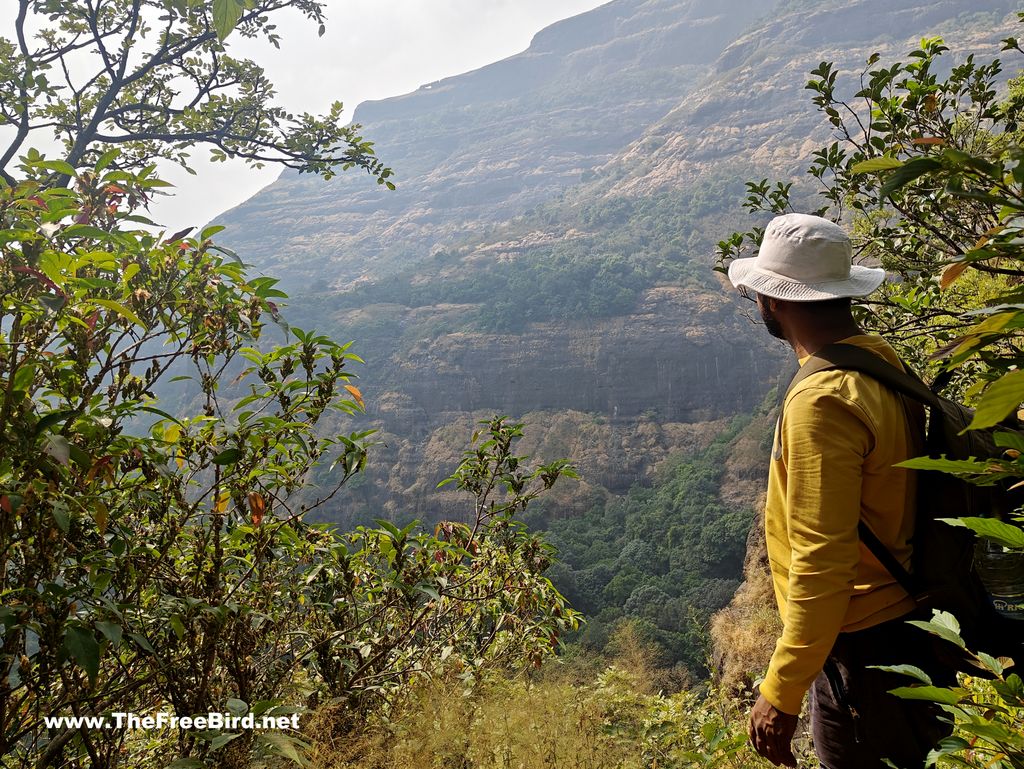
(1000, 399)
(212, 230)
(107, 158)
(907, 670)
(23, 377)
(186, 763)
(876, 164)
(927, 693)
(430, 591)
(86, 231)
(142, 643)
(954, 466)
(56, 165)
(1009, 440)
(1005, 534)
(81, 645)
(61, 516)
(993, 732)
(946, 746)
(177, 626)
(991, 663)
(389, 527)
(944, 625)
(237, 707)
(226, 14)
(1011, 690)
(227, 457)
(285, 746)
(907, 173)
(221, 740)
(51, 419)
(111, 630)
(53, 302)
(120, 309)
(164, 414)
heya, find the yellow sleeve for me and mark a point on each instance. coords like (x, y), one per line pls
(825, 438)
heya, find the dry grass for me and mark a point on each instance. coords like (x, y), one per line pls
(743, 633)
(552, 720)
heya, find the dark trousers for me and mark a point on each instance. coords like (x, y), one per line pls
(855, 722)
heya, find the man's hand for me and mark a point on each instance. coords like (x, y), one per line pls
(771, 732)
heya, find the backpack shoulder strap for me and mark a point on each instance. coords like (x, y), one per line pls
(885, 557)
(852, 358)
(849, 357)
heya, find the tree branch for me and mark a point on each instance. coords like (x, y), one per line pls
(23, 124)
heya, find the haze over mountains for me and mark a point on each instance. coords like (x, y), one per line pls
(478, 148)
(548, 251)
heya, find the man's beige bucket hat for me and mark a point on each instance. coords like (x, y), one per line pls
(804, 258)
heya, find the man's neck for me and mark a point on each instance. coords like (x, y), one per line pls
(807, 341)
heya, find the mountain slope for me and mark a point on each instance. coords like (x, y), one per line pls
(476, 149)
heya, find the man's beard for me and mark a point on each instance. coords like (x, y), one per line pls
(768, 318)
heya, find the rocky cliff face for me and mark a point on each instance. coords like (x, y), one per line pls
(753, 103)
(621, 367)
(617, 396)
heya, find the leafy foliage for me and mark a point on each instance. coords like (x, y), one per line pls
(153, 78)
(988, 712)
(153, 560)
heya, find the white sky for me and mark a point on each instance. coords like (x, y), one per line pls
(372, 49)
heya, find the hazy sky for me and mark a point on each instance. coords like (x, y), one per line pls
(372, 49)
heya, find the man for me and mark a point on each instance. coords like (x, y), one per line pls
(838, 438)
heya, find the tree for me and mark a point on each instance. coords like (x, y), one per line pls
(155, 78)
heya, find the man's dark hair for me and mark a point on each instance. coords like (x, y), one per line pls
(824, 305)
(829, 305)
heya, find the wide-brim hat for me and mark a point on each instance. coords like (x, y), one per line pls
(805, 258)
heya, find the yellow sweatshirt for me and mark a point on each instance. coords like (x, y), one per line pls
(841, 434)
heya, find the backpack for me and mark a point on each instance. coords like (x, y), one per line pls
(943, 574)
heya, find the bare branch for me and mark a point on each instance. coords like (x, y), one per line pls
(23, 106)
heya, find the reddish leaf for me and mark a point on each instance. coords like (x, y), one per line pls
(40, 277)
(258, 506)
(179, 235)
(355, 393)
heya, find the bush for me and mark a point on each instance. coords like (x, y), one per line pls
(152, 561)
